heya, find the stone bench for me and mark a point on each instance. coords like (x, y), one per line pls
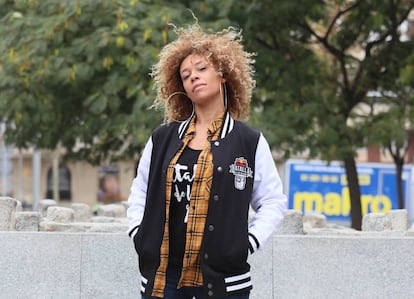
(104, 265)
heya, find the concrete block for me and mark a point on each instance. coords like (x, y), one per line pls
(292, 224)
(262, 272)
(125, 204)
(343, 267)
(44, 204)
(109, 228)
(7, 213)
(27, 221)
(19, 207)
(373, 222)
(60, 214)
(314, 220)
(103, 219)
(40, 265)
(327, 231)
(90, 265)
(82, 212)
(112, 210)
(109, 267)
(52, 226)
(396, 220)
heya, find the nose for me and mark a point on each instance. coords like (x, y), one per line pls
(194, 77)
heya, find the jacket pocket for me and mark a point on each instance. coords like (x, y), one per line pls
(137, 240)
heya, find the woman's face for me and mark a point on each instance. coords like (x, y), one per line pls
(200, 80)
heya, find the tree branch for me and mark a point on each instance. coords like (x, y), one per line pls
(338, 15)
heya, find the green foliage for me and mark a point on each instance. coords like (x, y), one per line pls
(316, 63)
(75, 74)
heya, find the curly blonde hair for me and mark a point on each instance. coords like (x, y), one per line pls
(224, 50)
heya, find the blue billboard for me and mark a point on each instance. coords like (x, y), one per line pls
(319, 187)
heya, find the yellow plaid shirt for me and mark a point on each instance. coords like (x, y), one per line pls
(200, 192)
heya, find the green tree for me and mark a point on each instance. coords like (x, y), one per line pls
(317, 61)
(75, 74)
(391, 113)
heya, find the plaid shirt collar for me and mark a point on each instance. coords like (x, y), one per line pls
(214, 129)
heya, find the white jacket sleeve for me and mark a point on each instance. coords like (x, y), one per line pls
(268, 200)
(138, 193)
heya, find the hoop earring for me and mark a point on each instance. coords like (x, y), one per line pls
(225, 98)
(192, 104)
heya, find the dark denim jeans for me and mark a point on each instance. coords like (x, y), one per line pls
(171, 291)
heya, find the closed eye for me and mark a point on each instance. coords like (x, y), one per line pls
(185, 76)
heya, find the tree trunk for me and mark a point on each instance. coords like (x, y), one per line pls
(399, 165)
(354, 192)
(55, 175)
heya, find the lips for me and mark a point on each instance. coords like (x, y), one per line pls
(195, 87)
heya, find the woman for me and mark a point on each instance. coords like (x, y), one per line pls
(199, 173)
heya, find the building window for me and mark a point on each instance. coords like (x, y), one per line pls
(65, 192)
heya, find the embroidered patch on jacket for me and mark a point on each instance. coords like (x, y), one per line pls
(241, 171)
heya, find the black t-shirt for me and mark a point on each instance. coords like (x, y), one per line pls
(184, 172)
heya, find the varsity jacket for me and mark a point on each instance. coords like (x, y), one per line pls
(244, 175)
